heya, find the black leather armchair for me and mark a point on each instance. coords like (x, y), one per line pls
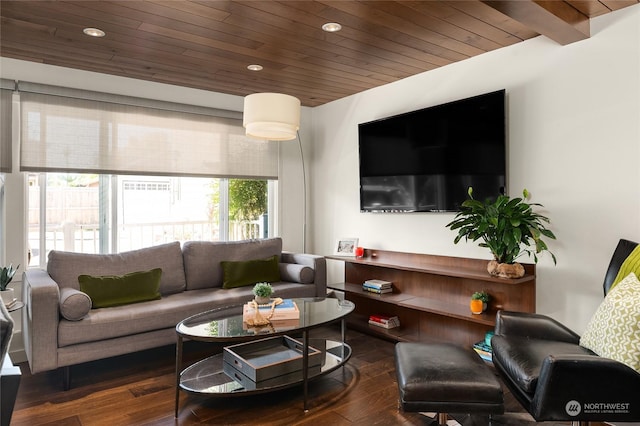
(553, 377)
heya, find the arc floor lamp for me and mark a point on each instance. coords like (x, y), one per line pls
(276, 117)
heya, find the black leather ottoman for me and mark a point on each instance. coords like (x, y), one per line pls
(445, 378)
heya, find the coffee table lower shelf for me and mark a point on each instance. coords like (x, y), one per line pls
(207, 377)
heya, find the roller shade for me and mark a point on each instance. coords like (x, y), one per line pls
(87, 132)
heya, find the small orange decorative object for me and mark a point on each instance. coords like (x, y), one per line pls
(476, 306)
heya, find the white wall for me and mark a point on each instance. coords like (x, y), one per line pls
(574, 143)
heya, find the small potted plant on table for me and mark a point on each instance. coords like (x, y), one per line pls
(262, 293)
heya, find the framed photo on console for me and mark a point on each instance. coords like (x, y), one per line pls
(346, 247)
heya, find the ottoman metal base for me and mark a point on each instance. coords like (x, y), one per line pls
(445, 378)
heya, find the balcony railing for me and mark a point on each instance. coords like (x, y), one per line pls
(86, 238)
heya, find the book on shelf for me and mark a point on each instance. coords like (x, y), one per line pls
(482, 345)
(384, 325)
(383, 317)
(376, 290)
(378, 284)
(287, 310)
(483, 350)
(383, 320)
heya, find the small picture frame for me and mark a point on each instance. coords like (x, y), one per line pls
(346, 247)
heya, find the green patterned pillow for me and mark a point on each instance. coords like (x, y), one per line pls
(614, 329)
(630, 264)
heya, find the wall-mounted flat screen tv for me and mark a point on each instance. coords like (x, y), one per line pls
(425, 160)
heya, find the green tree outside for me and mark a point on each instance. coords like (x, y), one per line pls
(247, 202)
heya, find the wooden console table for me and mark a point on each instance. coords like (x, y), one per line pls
(431, 295)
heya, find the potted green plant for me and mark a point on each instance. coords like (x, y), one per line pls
(508, 227)
(262, 293)
(482, 296)
(6, 275)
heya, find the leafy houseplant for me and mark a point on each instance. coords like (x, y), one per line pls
(482, 296)
(262, 292)
(6, 275)
(508, 227)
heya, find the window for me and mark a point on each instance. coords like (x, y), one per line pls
(110, 173)
(91, 213)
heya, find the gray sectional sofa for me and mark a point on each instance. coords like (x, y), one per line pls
(59, 330)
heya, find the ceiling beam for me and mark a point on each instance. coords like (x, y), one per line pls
(557, 20)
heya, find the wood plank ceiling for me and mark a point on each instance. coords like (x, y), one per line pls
(209, 44)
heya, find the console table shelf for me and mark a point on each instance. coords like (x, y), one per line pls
(431, 295)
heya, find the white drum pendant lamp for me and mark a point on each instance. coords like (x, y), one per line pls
(271, 116)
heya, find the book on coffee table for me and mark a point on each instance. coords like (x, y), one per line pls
(287, 310)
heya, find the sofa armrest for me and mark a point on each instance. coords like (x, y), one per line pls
(319, 265)
(590, 381)
(40, 318)
(534, 326)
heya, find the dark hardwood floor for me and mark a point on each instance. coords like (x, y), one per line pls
(138, 389)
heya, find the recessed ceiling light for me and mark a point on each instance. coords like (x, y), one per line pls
(254, 67)
(331, 27)
(94, 32)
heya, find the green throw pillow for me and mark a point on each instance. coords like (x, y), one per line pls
(249, 272)
(614, 329)
(114, 290)
(630, 264)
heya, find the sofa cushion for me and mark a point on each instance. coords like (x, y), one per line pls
(296, 273)
(65, 267)
(630, 264)
(74, 304)
(248, 272)
(115, 290)
(109, 323)
(202, 259)
(614, 329)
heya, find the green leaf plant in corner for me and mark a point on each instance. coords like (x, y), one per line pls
(6, 275)
(508, 227)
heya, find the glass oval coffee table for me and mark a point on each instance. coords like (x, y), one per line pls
(225, 325)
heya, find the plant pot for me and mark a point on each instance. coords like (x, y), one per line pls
(262, 300)
(7, 296)
(476, 306)
(505, 270)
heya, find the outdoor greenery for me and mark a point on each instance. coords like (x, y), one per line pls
(507, 227)
(247, 202)
(247, 199)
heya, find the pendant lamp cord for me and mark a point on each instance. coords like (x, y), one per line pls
(304, 197)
